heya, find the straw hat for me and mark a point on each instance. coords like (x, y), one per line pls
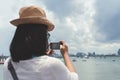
(32, 14)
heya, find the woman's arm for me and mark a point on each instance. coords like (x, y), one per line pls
(64, 52)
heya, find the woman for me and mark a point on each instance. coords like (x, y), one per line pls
(29, 50)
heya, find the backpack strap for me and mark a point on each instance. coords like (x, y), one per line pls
(12, 70)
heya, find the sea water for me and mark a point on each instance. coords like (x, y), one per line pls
(93, 68)
(98, 68)
(1, 72)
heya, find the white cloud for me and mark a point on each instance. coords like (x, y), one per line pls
(107, 19)
(75, 22)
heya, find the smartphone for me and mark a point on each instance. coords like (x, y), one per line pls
(55, 45)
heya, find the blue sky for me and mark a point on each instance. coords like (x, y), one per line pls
(85, 25)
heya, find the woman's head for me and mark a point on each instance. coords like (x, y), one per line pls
(29, 40)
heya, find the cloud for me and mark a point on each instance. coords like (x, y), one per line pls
(61, 8)
(107, 20)
(75, 25)
(86, 25)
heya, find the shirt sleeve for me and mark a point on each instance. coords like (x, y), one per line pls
(61, 72)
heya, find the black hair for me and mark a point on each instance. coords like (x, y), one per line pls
(29, 40)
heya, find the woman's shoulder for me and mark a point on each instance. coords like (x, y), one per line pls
(56, 63)
(54, 60)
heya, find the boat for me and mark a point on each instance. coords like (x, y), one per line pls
(1, 62)
(84, 60)
(74, 60)
(113, 60)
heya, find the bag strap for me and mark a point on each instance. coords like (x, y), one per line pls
(12, 70)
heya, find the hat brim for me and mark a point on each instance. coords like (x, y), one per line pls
(34, 20)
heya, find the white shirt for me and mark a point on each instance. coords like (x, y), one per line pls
(40, 68)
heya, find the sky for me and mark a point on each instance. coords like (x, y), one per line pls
(85, 25)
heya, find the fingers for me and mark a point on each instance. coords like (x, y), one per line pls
(63, 47)
(49, 52)
(62, 42)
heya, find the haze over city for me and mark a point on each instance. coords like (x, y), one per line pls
(85, 25)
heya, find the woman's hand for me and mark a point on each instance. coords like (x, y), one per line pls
(49, 52)
(63, 48)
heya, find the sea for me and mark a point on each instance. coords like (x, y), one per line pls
(100, 68)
